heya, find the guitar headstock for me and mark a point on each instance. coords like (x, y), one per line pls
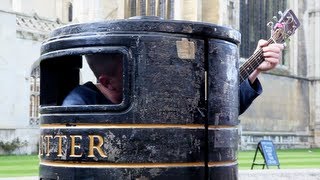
(285, 27)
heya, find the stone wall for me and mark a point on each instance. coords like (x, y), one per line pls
(97, 10)
(288, 110)
(312, 14)
(19, 49)
(28, 138)
(57, 9)
(280, 114)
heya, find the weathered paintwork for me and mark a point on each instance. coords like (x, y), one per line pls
(171, 123)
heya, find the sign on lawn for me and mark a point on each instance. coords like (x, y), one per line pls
(269, 154)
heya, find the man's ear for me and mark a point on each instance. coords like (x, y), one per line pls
(106, 82)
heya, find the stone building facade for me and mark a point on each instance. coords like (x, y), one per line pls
(21, 32)
(288, 111)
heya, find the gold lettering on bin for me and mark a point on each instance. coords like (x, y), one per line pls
(60, 137)
(59, 144)
(74, 145)
(47, 137)
(96, 147)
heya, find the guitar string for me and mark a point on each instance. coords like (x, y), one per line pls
(255, 57)
(251, 59)
(258, 55)
(269, 42)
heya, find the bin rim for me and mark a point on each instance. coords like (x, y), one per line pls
(148, 24)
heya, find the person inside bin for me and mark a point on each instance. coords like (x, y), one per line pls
(107, 68)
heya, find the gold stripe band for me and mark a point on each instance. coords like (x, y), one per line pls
(224, 163)
(131, 126)
(132, 165)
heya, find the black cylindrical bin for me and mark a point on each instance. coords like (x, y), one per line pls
(179, 114)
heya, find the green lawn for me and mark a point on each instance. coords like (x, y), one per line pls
(289, 159)
(14, 166)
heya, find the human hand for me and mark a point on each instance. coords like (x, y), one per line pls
(272, 54)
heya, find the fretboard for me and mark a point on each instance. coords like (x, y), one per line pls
(284, 28)
(252, 63)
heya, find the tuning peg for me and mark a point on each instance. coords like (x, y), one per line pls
(280, 13)
(289, 19)
(285, 44)
(275, 18)
(270, 24)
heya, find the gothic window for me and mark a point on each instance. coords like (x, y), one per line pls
(161, 8)
(254, 16)
(34, 97)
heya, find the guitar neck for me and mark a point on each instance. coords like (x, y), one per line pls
(284, 28)
(252, 63)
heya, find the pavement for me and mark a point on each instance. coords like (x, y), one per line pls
(265, 174)
(280, 174)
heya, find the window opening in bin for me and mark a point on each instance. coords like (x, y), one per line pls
(64, 71)
(107, 88)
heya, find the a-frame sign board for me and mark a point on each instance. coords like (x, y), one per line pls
(269, 154)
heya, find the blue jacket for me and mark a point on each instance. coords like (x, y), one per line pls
(89, 94)
(86, 94)
(247, 93)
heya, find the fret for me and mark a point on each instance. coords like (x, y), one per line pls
(241, 79)
(253, 62)
(247, 73)
(250, 65)
(256, 63)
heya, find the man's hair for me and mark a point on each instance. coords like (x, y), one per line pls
(107, 64)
